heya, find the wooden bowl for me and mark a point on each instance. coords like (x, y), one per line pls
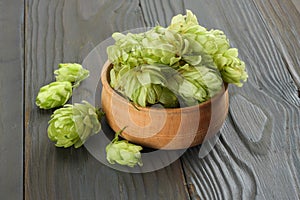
(163, 128)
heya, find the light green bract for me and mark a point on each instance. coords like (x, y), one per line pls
(214, 43)
(74, 124)
(71, 72)
(146, 84)
(123, 152)
(202, 59)
(54, 95)
(57, 93)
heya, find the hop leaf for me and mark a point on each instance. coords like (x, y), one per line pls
(123, 152)
(54, 95)
(71, 72)
(74, 124)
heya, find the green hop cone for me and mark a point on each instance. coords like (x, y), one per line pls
(162, 46)
(185, 23)
(126, 51)
(195, 85)
(144, 85)
(71, 72)
(74, 124)
(231, 67)
(123, 152)
(54, 95)
(212, 43)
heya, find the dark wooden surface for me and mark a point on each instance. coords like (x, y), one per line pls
(11, 98)
(257, 155)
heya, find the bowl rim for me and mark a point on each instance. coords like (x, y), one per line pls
(105, 83)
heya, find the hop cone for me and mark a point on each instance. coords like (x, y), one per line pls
(73, 124)
(185, 23)
(123, 152)
(54, 95)
(232, 68)
(145, 85)
(162, 46)
(71, 72)
(158, 45)
(213, 43)
(126, 52)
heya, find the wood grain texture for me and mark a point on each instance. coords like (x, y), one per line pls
(66, 31)
(285, 31)
(11, 99)
(297, 4)
(160, 12)
(257, 155)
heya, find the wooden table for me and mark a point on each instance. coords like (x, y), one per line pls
(257, 154)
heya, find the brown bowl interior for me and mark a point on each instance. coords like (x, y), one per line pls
(163, 128)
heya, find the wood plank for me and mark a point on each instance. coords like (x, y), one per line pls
(11, 99)
(160, 12)
(285, 31)
(257, 155)
(64, 31)
(297, 4)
